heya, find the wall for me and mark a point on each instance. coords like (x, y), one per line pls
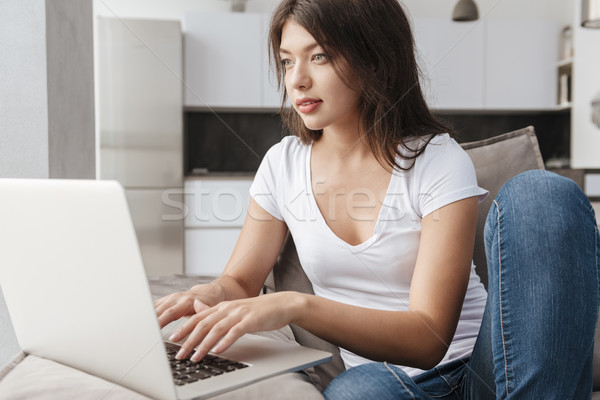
(70, 86)
(559, 10)
(23, 91)
(46, 101)
(46, 91)
(171, 9)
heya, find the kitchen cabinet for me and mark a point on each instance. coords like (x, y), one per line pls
(520, 59)
(452, 58)
(490, 64)
(271, 97)
(156, 216)
(140, 130)
(215, 210)
(226, 61)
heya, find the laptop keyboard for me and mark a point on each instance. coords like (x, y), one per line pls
(188, 371)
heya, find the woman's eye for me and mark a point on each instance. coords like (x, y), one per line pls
(320, 58)
(286, 62)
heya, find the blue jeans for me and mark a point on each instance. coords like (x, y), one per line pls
(537, 335)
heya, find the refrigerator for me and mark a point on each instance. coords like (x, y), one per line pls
(140, 116)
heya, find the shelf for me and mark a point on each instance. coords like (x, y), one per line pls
(562, 107)
(567, 62)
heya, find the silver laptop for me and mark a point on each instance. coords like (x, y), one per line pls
(77, 293)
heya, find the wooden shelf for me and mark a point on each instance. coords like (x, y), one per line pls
(567, 62)
(562, 107)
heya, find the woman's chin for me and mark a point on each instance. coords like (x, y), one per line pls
(311, 125)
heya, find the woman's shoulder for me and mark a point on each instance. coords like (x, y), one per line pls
(288, 153)
(444, 143)
(438, 142)
(434, 147)
(288, 148)
(292, 143)
(445, 152)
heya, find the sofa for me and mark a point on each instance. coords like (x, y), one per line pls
(496, 160)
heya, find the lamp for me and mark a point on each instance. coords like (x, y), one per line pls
(466, 10)
(590, 14)
(238, 5)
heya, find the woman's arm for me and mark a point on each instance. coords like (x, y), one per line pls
(419, 337)
(254, 255)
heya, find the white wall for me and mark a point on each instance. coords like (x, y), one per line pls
(559, 10)
(171, 9)
(23, 91)
(46, 106)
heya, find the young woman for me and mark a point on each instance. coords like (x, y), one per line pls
(381, 203)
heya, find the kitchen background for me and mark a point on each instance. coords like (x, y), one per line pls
(486, 77)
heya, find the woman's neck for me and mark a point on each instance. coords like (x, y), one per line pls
(344, 144)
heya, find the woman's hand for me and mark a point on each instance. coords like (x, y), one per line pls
(229, 320)
(180, 304)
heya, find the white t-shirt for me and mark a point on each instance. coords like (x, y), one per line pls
(376, 273)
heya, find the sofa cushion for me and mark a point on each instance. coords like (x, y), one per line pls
(496, 160)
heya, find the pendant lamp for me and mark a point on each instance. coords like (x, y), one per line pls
(465, 10)
(590, 14)
(238, 5)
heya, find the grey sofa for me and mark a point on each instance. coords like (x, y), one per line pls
(496, 160)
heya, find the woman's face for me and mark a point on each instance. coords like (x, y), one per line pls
(315, 90)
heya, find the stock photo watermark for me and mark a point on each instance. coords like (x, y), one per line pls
(231, 204)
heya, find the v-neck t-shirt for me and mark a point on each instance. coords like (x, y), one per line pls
(378, 272)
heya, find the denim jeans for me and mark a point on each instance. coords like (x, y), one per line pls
(537, 335)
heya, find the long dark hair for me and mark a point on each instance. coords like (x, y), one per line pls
(373, 37)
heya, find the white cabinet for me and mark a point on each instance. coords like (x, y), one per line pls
(208, 250)
(140, 130)
(520, 59)
(270, 95)
(226, 61)
(502, 64)
(452, 58)
(585, 111)
(214, 214)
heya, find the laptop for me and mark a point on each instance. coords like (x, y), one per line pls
(76, 290)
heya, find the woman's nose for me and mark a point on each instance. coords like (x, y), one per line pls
(299, 76)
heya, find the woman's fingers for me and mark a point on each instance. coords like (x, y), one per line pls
(171, 314)
(163, 303)
(211, 339)
(199, 306)
(227, 322)
(171, 310)
(230, 338)
(196, 328)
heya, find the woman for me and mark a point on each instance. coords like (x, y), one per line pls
(382, 204)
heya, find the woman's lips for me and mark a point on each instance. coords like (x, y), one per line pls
(308, 106)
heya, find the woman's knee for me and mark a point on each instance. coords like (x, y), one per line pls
(540, 198)
(373, 380)
(539, 187)
(542, 228)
